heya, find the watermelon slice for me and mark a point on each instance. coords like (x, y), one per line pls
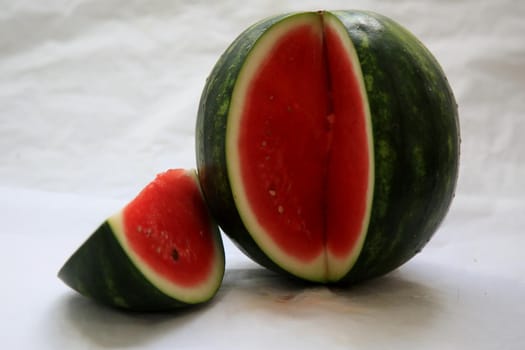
(161, 251)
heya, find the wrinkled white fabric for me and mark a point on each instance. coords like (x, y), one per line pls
(97, 96)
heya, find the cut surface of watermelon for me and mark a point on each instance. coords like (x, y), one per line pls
(300, 148)
(156, 226)
(168, 231)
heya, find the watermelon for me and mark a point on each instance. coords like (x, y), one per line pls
(161, 251)
(327, 144)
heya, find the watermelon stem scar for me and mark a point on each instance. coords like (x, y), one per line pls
(320, 131)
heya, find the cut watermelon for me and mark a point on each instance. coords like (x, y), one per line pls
(327, 144)
(161, 251)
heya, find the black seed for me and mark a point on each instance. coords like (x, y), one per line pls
(175, 254)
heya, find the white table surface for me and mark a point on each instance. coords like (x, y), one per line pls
(464, 291)
(96, 97)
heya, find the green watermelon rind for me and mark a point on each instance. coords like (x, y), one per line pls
(210, 140)
(102, 270)
(415, 139)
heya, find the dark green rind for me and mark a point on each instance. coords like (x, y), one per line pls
(210, 140)
(416, 142)
(415, 137)
(100, 269)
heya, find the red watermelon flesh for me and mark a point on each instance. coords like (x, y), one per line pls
(304, 146)
(169, 228)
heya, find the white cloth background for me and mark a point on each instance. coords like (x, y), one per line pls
(97, 96)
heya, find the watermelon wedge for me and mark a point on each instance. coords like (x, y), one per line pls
(328, 144)
(161, 251)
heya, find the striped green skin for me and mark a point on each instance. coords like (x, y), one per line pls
(211, 142)
(415, 136)
(100, 269)
(416, 141)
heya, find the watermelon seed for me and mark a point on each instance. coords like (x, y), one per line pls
(280, 209)
(272, 193)
(175, 254)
